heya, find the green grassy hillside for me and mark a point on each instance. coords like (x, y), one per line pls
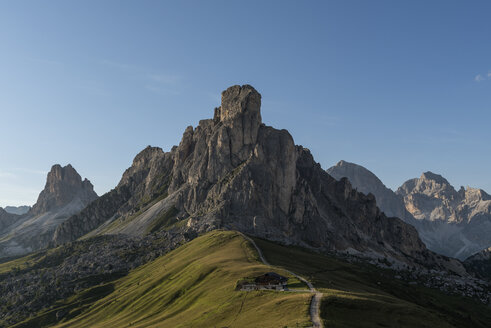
(192, 286)
(358, 295)
(20, 262)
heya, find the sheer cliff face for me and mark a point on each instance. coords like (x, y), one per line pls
(234, 172)
(64, 195)
(233, 166)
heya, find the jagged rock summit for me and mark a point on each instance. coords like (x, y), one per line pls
(63, 184)
(64, 194)
(420, 194)
(234, 172)
(431, 197)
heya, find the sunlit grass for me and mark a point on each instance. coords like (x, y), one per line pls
(193, 286)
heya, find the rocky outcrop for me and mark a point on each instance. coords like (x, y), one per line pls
(64, 195)
(234, 172)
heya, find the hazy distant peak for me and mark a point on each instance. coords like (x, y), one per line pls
(368, 183)
(357, 174)
(19, 210)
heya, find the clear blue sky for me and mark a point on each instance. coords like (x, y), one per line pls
(400, 87)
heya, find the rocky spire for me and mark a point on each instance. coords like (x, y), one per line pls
(240, 101)
(63, 184)
(240, 112)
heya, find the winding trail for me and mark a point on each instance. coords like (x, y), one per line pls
(316, 299)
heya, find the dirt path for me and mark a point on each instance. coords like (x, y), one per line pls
(316, 299)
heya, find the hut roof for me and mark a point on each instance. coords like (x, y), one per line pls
(271, 277)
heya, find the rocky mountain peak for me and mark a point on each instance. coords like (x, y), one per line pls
(240, 102)
(63, 184)
(233, 172)
(475, 195)
(145, 168)
(433, 177)
(368, 183)
(240, 114)
(357, 175)
(146, 154)
(432, 185)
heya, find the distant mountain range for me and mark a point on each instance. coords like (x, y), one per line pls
(450, 222)
(64, 195)
(19, 210)
(232, 172)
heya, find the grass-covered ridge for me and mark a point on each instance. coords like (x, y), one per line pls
(357, 295)
(193, 286)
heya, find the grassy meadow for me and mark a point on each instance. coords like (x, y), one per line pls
(357, 295)
(192, 286)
